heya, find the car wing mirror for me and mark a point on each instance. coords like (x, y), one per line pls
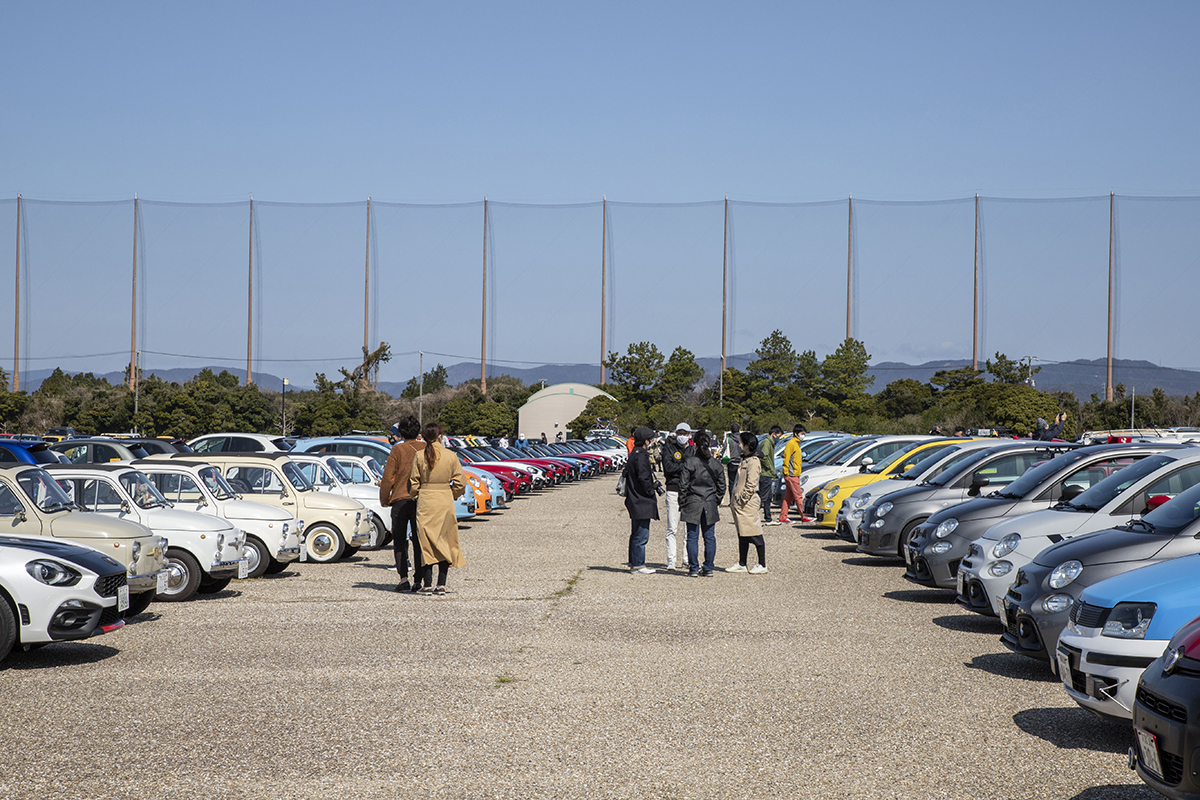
(124, 506)
(977, 483)
(1071, 492)
(19, 515)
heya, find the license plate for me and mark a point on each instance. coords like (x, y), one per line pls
(908, 557)
(961, 580)
(303, 552)
(1003, 616)
(1064, 668)
(243, 569)
(161, 585)
(122, 598)
(374, 537)
(1148, 746)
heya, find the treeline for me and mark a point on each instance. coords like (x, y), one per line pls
(780, 386)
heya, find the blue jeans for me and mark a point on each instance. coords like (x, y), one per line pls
(693, 547)
(639, 534)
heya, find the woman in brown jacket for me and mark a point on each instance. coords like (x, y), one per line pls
(436, 481)
(745, 504)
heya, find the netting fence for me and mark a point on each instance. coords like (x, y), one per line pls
(299, 288)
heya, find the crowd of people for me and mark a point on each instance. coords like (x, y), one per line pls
(698, 474)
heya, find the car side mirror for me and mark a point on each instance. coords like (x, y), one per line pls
(124, 506)
(1071, 492)
(283, 492)
(20, 516)
(977, 483)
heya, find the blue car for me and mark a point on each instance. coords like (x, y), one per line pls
(21, 451)
(1118, 626)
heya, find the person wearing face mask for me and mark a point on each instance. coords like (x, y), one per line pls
(675, 451)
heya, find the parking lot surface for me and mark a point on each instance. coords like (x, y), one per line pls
(550, 671)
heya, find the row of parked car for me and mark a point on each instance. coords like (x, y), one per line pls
(96, 529)
(1087, 552)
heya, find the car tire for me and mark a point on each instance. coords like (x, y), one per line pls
(183, 578)
(905, 534)
(258, 556)
(324, 543)
(138, 603)
(276, 567)
(8, 629)
(380, 532)
(213, 586)
(349, 551)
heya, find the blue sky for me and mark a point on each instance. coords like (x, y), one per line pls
(642, 102)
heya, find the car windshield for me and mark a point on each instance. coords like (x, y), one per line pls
(43, 491)
(1174, 515)
(927, 459)
(142, 490)
(296, 477)
(875, 469)
(1035, 475)
(820, 454)
(956, 466)
(850, 452)
(1107, 490)
(216, 483)
(336, 468)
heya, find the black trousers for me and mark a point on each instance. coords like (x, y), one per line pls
(404, 530)
(766, 492)
(760, 545)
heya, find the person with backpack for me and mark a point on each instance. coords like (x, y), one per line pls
(702, 486)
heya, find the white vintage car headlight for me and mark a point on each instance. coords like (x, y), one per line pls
(945, 528)
(1129, 620)
(241, 539)
(285, 529)
(1006, 545)
(1065, 573)
(1056, 603)
(357, 518)
(52, 573)
(856, 514)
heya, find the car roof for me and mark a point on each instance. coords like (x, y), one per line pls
(89, 467)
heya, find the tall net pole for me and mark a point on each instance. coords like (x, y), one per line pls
(975, 295)
(849, 258)
(483, 327)
(16, 379)
(603, 280)
(133, 315)
(724, 304)
(1108, 380)
(367, 288)
(250, 300)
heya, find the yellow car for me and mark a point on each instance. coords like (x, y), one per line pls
(831, 496)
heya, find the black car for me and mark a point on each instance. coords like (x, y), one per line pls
(1166, 718)
(1037, 605)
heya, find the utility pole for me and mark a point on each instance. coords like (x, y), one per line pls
(250, 300)
(421, 393)
(603, 279)
(367, 291)
(483, 327)
(137, 387)
(975, 296)
(283, 415)
(16, 379)
(1108, 380)
(849, 259)
(133, 316)
(724, 305)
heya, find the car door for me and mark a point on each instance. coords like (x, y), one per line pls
(12, 509)
(1084, 477)
(1168, 485)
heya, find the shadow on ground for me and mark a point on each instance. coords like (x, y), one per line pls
(872, 562)
(1075, 729)
(840, 548)
(1013, 665)
(1131, 791)
(63, 654)
(922, 595)
(204, 597)
(974, 623)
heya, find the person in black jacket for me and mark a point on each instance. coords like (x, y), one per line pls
(675, 449)
(640, 500)
(1047, 432)
(702, 485)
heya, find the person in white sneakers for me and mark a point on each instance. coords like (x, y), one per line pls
(675, 452)
(746, 505)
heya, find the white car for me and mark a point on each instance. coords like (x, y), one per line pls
(203, 552)
(854, 459)
(274, 537)
(326, 475)
(238, 443)
(992, 563)
(55, 591)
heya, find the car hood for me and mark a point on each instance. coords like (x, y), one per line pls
(1109, 546)
(171, 519)
(1166, 581)
(328, 501)
(85, 557)
(976, 508)
(88, 525)
(1045, 522)
(248, 509)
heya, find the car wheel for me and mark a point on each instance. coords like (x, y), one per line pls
(8, 629)
(324, 544)
(257, 555)
(905, 534)
(275, 567)
(138, 603)
(380, 532)
(213, 586)
(183, 576)
(348, 551)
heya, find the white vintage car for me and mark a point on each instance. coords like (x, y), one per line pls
(204, 553)
(56, 591)
(274, 537)
(32, 504)
(327, 475)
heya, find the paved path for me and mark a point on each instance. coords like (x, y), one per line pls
(552, 672)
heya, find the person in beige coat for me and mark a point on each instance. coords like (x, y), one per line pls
(745, 504)
(435, 482)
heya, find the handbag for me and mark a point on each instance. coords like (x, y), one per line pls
(621, 480)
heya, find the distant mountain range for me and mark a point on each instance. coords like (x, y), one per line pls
(1083, 377)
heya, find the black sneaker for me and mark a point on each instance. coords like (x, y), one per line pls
(706, 573)
(694, 574)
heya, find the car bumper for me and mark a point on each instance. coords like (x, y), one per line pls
(1101, 673)
(1162, 699)
(977, 590)
(879, 540)
(146, 583)
(1031, 633)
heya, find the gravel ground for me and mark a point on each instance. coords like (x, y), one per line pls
(549, 671)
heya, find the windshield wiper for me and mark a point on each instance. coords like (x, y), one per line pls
(1007, 495)
(1147, 525)
(50, 509)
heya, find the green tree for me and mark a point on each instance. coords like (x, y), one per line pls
(598, 408)
(637, 374)
(435, 380)
(680, 375)
(493, 419)
(1006, 370)
(845, 377)
(458, 417)
(955, 380)
(772, 372)
(903, 397)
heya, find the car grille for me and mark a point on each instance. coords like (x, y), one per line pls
(1078, 679)
(954, 567)
(1161, 706)
(110, 616)
(1172, 768)
(1087, 615)
(107, 585)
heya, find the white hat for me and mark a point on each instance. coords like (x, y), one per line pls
(683, 426)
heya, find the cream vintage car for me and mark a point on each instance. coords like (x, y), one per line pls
(37, 506)
(274, 537)
(334, 526)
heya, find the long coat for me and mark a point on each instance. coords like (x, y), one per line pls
(701, 487)
(744, 498)
(435, 491)
(640, 499)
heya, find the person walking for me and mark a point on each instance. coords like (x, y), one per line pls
(435, 482)
(766, 481)
(675, 449)
(640, 500)
(731, 455)
(793, 494)
(702, 487)
(745, 502)
(393, 494)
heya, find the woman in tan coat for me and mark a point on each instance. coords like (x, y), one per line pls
(744, 502)
(436, 481)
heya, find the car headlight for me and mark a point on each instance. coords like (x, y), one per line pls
(1129, 620)
(241, 540)
(877, 524)
(137, 551)
(1000, 569)
(357, 518)
(285, 529)
(884, 508)
(863, 501)
(1065, 573)
(1056, 603)
(939, 548)
(1006, 545)
(828, 505)
(833, 492)
(52, 573)
(945, 528)
(856, 514)
(220, 542)
(803, 479)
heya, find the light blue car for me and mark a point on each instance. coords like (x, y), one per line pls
(1118, 626)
